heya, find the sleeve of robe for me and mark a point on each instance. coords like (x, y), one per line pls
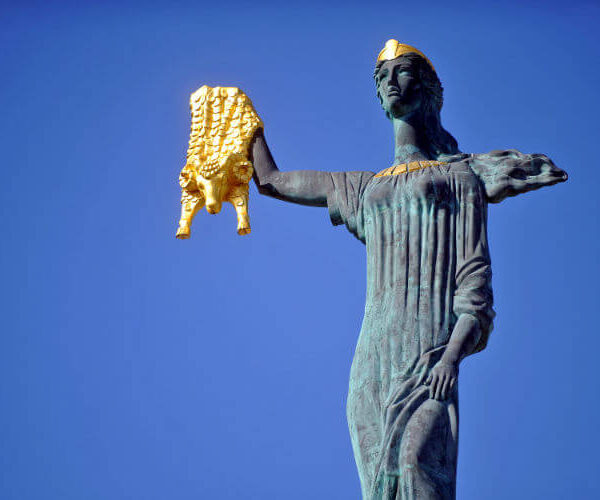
(510, 172)
(502, 174)
(345, 200)
(473, 276)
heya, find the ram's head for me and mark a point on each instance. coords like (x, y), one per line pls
(216, 185)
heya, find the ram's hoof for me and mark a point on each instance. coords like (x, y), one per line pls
(183, 233)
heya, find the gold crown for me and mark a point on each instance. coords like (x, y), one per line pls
(393, 48)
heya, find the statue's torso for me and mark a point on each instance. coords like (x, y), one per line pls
(419, 227)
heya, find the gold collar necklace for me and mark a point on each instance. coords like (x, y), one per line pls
(404, 168)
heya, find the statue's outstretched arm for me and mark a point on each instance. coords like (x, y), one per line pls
(509, 172)
(306, 187)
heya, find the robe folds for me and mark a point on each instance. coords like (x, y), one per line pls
(428, 263)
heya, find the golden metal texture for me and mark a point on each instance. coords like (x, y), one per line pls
(393, 48)
(404, 168)
(218, 168)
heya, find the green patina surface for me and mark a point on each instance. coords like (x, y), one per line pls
(428, 263)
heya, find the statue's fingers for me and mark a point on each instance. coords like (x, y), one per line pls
(453, 382)
(438, 389)
(432, 387)
(445, 387)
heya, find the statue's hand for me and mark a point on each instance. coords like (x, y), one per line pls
(442, 379)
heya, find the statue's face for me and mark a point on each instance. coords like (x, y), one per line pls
(399, 88)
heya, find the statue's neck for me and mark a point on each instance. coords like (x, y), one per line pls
(410, 140)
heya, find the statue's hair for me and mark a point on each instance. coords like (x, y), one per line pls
(440, 140)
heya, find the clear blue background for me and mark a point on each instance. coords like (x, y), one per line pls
(136, 366)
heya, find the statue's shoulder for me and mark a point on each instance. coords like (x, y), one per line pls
(454, 159)
(479, 162)
(508, 172)
(456, 163)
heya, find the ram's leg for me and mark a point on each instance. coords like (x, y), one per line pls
(190, 204)
(239, 200)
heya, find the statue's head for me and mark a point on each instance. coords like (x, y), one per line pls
(409, 88)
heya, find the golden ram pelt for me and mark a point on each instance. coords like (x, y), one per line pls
(218, 168)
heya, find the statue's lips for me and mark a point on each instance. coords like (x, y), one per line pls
(394, 93)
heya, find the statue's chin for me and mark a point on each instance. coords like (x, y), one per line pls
(400, 109)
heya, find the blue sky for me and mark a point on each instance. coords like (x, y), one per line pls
(136, 366)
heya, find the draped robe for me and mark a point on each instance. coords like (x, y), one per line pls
(428, 263)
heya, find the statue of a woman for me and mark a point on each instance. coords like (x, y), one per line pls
(429, 294)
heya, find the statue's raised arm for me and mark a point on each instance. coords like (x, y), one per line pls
(340, 192)
(306, 187)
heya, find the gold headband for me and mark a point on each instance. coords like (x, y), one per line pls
(393, 48)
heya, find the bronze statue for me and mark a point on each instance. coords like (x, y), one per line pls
(429, 295)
